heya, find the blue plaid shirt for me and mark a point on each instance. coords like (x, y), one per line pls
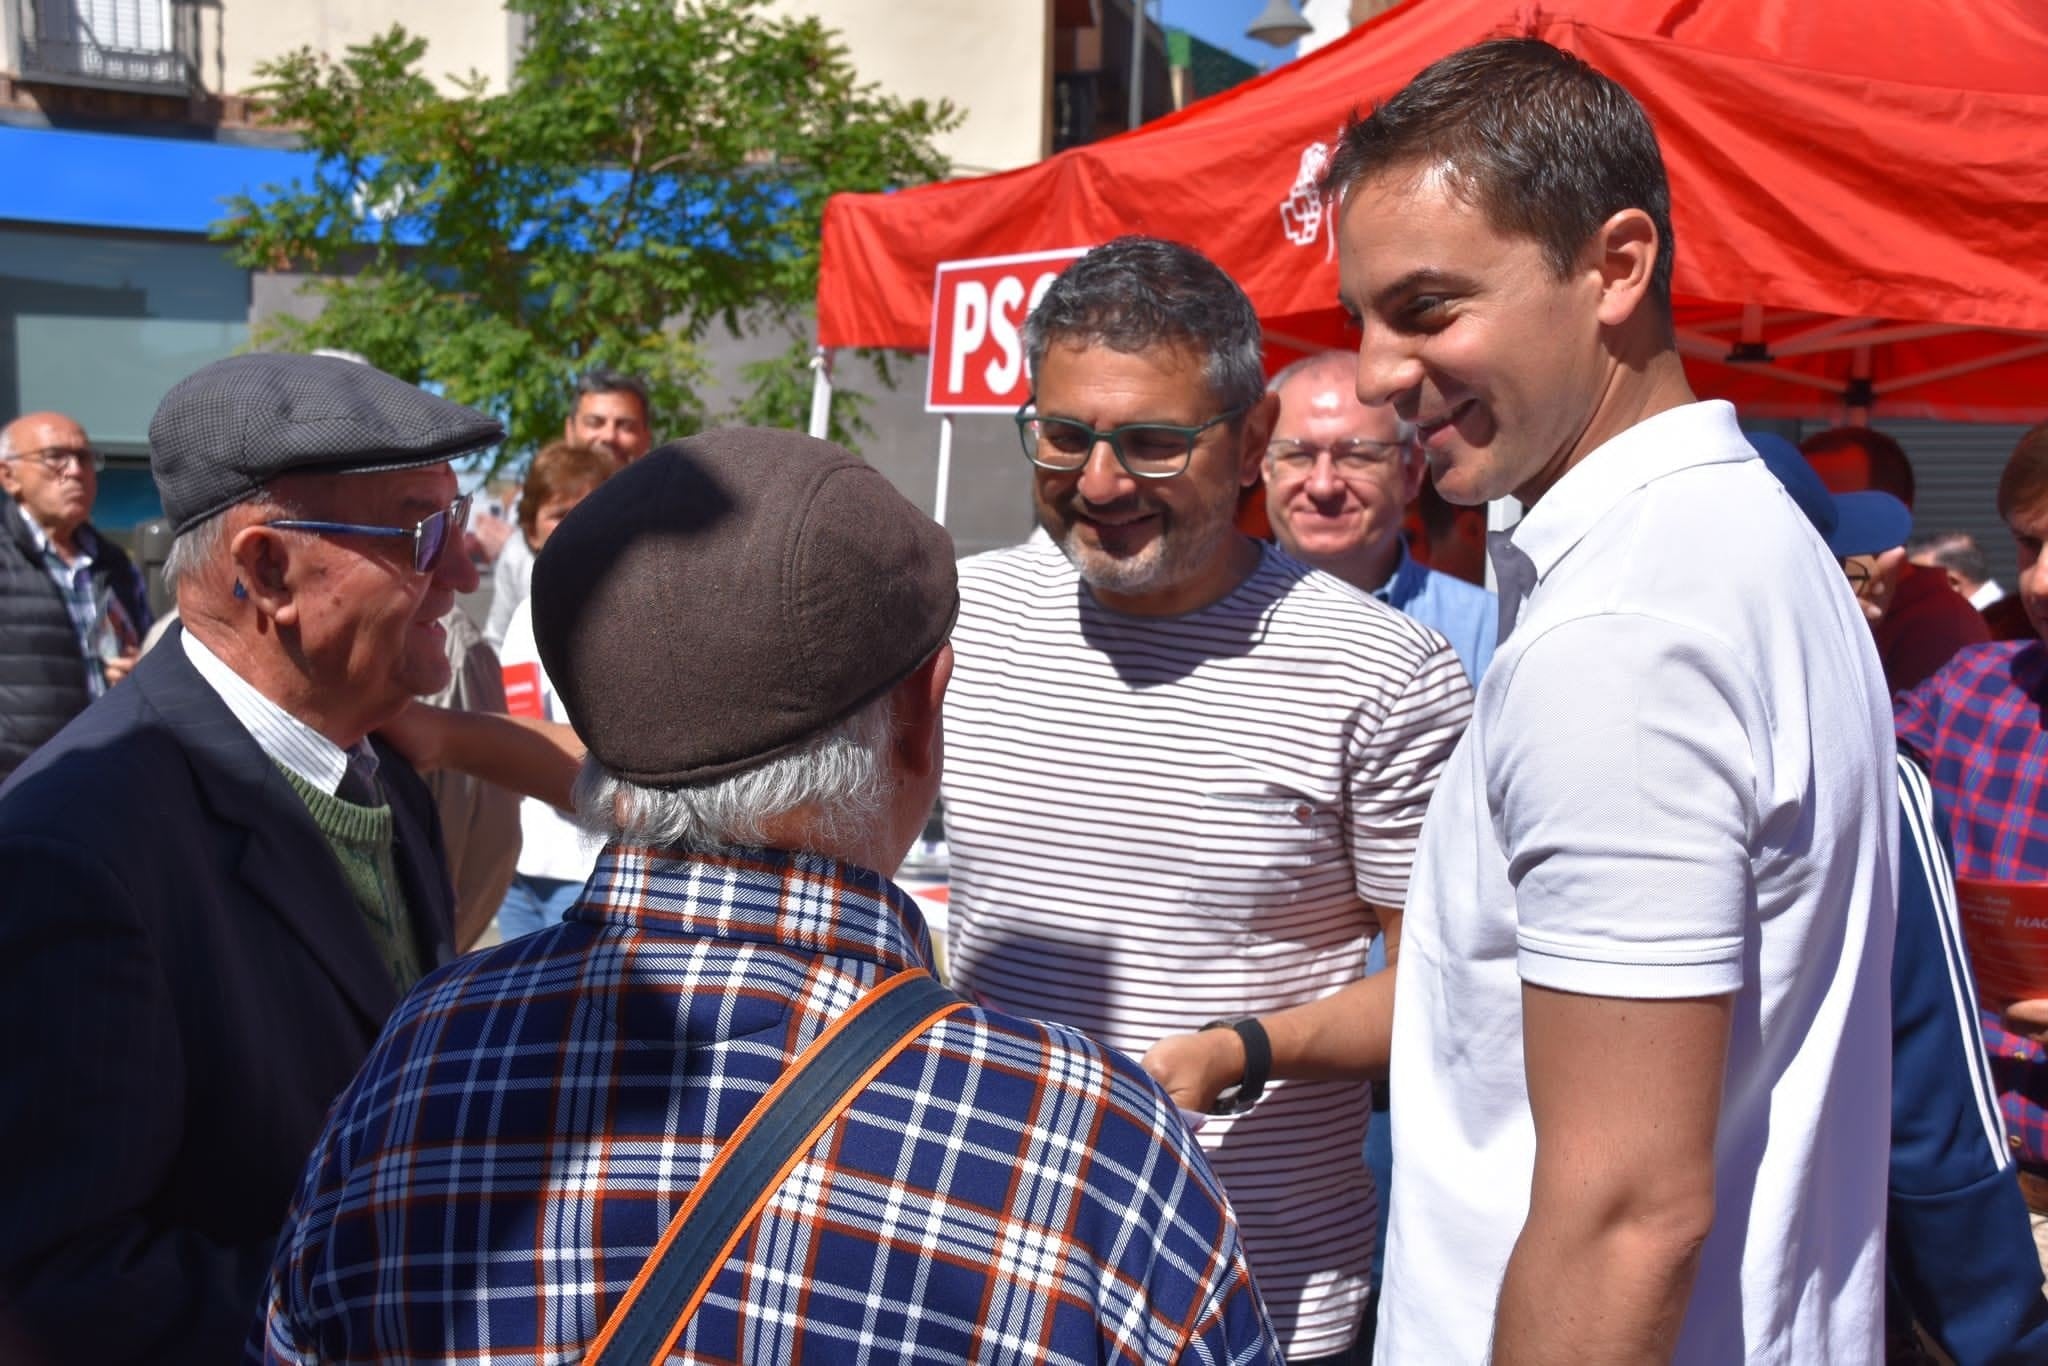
(494, 1178)
(1977, 726)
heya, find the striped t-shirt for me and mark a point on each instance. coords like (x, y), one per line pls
(1158, 822)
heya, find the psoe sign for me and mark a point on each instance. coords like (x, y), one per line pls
(978, 312)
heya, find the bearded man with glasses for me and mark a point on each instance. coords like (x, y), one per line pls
(218, 886)
(73, 609)
(1185, 772)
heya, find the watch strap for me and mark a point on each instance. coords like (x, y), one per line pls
(1258, 1065)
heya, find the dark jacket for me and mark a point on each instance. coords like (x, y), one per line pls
(1960, 1254)
(42, 665)
(185, 985)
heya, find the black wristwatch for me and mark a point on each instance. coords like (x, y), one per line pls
(1258, 1066)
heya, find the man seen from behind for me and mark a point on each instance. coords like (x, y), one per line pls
(1000, 1191)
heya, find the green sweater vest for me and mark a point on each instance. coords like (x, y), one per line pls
(361, 839)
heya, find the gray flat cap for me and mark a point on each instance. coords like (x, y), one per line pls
(223, 433)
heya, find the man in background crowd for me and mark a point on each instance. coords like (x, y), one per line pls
(217, 887)
(1978, 727)
(1339, 477)
(1647, 945)
(999, 1190)
(1184, 773)
(1957, 554)
(1959, 1254)
(1919, 620)
(73, 609)
(610, 413)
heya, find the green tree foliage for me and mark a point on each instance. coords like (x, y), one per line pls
(653, 170)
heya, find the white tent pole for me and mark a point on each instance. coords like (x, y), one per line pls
(945, 468)
(821, 393)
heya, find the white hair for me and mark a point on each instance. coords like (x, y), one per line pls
(6, 441)
(839, 778)
(201, 543)
(194, 547)
(1404, 432)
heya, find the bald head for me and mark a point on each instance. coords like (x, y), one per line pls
(49, 469)
(1338, 472)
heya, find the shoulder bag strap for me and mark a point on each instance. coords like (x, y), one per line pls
(756, 1159)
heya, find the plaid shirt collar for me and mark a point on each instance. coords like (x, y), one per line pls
(807, 903)
(88, 545)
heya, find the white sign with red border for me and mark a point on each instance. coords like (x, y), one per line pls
(978, 312)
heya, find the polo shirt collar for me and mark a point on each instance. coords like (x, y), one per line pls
(1679, 438)
(807, 903)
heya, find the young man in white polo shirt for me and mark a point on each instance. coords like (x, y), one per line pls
(1641, 1038)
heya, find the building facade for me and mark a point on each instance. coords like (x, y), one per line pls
(124, 124)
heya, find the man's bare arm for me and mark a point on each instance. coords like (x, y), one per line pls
(1626, 1097)
(1343, 1036)
(532, 757)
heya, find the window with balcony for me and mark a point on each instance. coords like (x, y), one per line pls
(109, 44)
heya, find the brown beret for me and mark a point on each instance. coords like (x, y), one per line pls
(730, 596)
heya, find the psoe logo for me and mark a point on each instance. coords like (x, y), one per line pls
(1305, 211)
(978, 312)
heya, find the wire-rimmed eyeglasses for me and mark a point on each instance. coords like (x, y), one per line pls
(57, 459)
(431, 535)
(1352, 457)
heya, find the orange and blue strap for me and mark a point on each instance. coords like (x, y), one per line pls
(753, 1163)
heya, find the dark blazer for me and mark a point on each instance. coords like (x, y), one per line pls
(185, 985)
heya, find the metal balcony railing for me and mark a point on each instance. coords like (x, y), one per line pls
(142, 45)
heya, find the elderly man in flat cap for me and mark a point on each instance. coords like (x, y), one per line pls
(215, 889)
(749, 631)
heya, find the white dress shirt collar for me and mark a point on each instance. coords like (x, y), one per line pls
(286, 739)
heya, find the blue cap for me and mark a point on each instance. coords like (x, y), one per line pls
(1851, 523)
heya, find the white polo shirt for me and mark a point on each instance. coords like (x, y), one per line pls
(551, 845)
(1677, 783)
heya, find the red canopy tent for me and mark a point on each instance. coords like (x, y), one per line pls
(1860, 194)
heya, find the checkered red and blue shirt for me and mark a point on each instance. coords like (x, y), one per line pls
(493, 1179)
(1977, 726)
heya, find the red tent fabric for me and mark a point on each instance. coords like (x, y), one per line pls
(1859, 187)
